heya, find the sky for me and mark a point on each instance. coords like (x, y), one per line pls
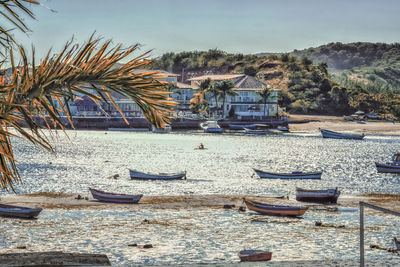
(234, 26)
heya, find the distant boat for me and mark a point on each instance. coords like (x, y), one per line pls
(128, 129)
(256, 131)
(396, 158)
(211, 127)
(135, 175)
(18, 211)
(241, 127)
(278, 210)
(114, 197)
(336, 135)
(167, 129)
(293, 175)
(323, 196)
(283, 128)
(387, 167)
(254, 255)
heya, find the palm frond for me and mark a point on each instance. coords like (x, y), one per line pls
(87, 70)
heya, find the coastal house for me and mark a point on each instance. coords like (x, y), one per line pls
(247, 102)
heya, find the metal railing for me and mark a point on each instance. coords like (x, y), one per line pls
(362, 205)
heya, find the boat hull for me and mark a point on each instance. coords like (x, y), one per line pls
(115, 198)
(214, 130)
(270, 175)
(135, 175)
(336, 135)
(275, 210)
(256, 132)
(241, 127)
(320, 196)
(387, 168)
(254, 255)
(19, 212)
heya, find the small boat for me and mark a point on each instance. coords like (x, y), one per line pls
(241, 127)
(396, 158)
(336, 135)
(135, 175)
(397, 243)
(387, 167)
(254, 255)
(211, 127)
(324, 196)
(256, 131)
(128, 129)
(167, 129)
(277, 210)
(293, 175)
(283, 128)
(114, 197)
(19, 212)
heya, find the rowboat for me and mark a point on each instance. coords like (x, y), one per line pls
(387, 167)
(135, 175)
(336, 135)
(241, 127)
(114, 197)
(293, 175)
(325, 196)
(254, 255)
(256, 131)
(397, 243)
(278, 210)
(211, 127)
(19, 212)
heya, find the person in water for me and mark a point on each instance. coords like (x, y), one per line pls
(201, 146)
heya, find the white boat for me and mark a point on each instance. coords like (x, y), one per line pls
(387, 167)
(293, 175)
(336, 135)
(167, 129)
(135, 175)
(114, 197)
(211, 127)
(256, 131)
(324, 196)
(241, 127)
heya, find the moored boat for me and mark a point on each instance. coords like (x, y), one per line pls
(167, 129)
(241, 127)
(254, 255)
(114, 197)
(337, 135)
(283, 128)
(211, 127)
(323, 196)
(18, 211)
(278, 210)
(293, 175)
(387, 167)
(256, 131)
(136, 175)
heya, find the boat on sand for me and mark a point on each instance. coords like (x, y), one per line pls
(114, 197)
(254, 255)
(321, 196)
(337, 135)
(136, 175)
(18, 211)
(277, 210)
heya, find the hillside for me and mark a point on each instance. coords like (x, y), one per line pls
(306, 87)
(376, 65)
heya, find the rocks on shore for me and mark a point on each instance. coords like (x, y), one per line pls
(320, 224)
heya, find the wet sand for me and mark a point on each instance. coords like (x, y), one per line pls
(339, 124)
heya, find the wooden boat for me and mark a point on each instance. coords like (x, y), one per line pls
(19, 212)
(387, 167)
(336, 135)
(277, 210)
(241, 127)
(135, 175)
(256, 131)
(397, 243)
(325, 196)
(293, 175)
(114, 197)
(211, 127)
(167, 129)
(254, 255)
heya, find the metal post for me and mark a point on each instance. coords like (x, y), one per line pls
(361, 234)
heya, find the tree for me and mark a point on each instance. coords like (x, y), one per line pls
(251, 71)
(265, 93)
(32, 90)
(225, 88)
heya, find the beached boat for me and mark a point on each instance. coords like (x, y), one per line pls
(323, 196)
(211, 127)
(283, 128)
(167, 129)
(397, 243)
(19, 212)
(336, 135)
(241, 127)
(387, 167)
(254, 255)
(135, 175)
(256, 131)
(114, 197)
(277, 210)
(293, 175)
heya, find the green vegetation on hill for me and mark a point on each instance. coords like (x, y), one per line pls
(306, 87)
